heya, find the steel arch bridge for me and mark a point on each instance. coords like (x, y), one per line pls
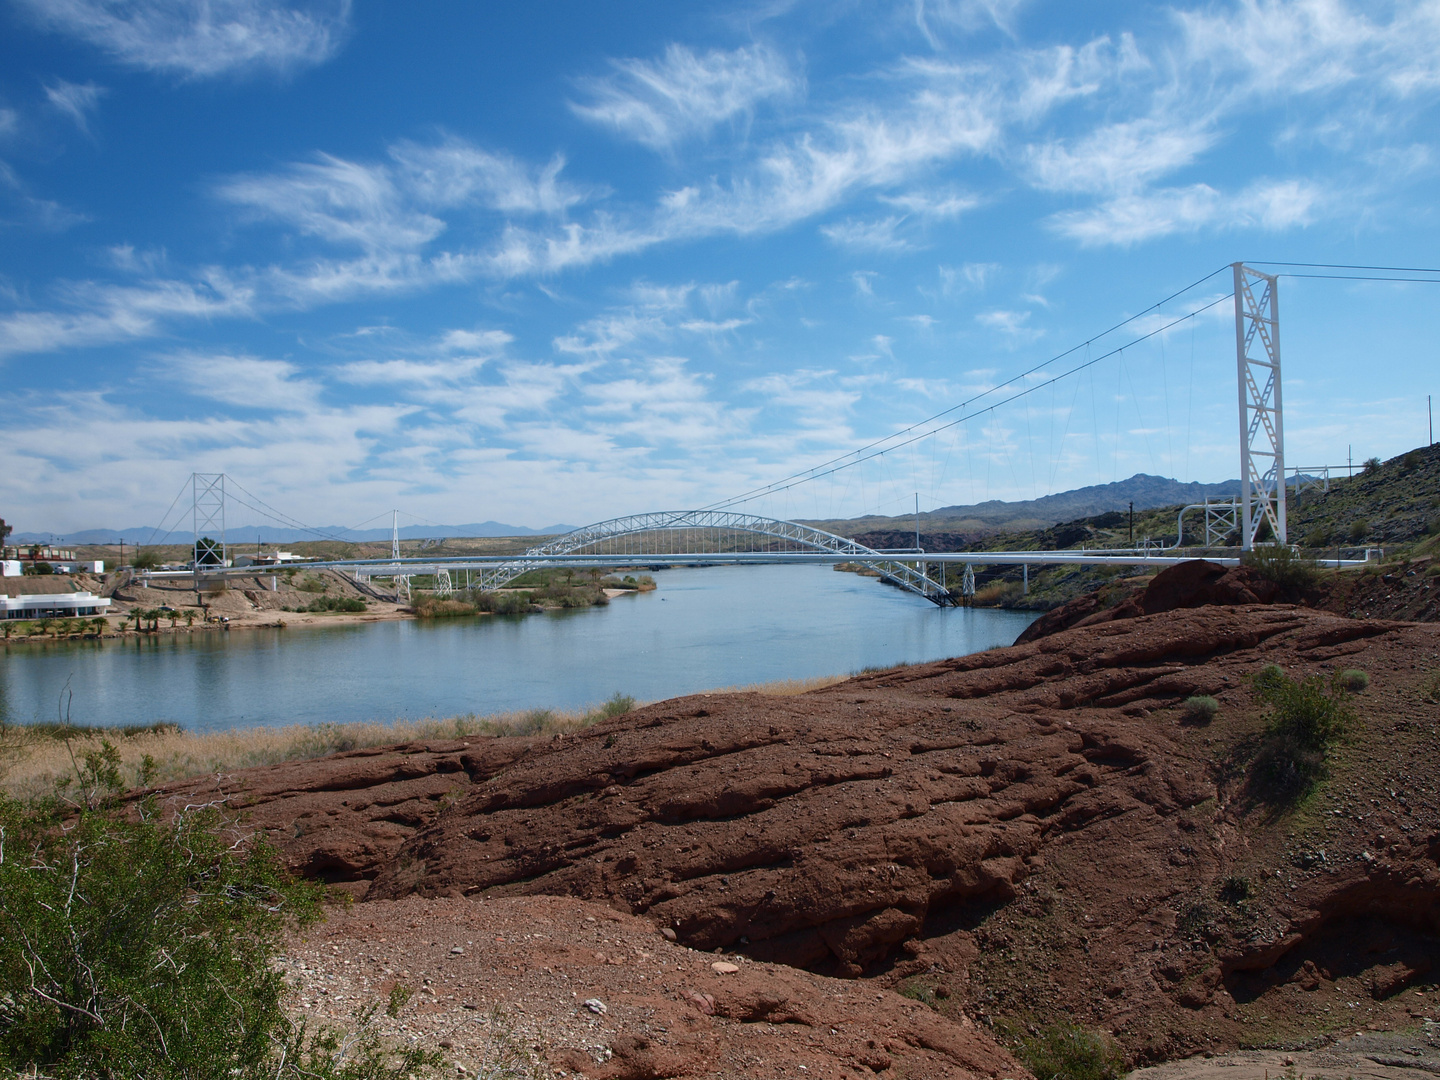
(693, 534)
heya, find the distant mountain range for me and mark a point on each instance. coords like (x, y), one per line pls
(1147, 492)
(250, 534)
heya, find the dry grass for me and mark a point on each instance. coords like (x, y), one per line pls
(784, 687)
(33, 760)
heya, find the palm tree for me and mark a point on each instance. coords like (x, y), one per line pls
(98, 625)
(190, 618)
(44, 626)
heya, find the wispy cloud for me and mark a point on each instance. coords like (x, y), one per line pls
(1122, 157)
(1131, 219)
(659, 103)
(96, 314)
(242, 381)
(203, 40)
(75, 100)
(859, 235)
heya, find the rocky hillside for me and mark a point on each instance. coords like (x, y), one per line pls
(1039, 832)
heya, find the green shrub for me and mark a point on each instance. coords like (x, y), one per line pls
(618, 704)
(1353, 679)
(1318, 536)
(334, 603)
(1268, 676)
(1065, 1051)
(503, 603)
(1307, 717)
(440, 607)
(1372, 466)
(1359, 529)
(146, 560)
(1201, 709)
(1235, 889)
(133, 945)
(1282, 565)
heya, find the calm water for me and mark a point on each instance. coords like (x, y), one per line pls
(702, 629)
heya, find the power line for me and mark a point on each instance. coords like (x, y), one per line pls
(1349, 266)
(825, 465)
(802, 478)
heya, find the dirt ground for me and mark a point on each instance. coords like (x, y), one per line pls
(582, 990)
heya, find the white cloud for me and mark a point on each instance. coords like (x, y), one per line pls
(456, 173)
(859, 235)
(941, 204)
(1121, 157)
(242, 381)
(659, 103)
(967, 16)
(9, 122)
(1307, 46)
(339, 201)
(1012, 324)
(101, 313)
(203, 40)
(454, 359)
(1131, 219)
(75, 100)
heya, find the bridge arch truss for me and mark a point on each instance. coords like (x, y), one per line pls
(690, 535)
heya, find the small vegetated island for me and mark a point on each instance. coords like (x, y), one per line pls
(539, 590)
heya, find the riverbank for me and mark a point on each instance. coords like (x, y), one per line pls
(302, 599)
(33, 757)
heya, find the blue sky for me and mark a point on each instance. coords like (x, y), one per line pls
(559, 262)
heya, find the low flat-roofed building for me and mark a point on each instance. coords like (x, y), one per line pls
(55, 605)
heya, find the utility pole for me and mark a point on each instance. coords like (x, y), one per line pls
(917, 521)
(1430, 412)
(1132, 523)
(395, 535)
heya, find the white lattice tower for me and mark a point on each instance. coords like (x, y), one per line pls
(207, 492)
(1262, 427)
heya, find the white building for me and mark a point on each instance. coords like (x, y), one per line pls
(66, 605)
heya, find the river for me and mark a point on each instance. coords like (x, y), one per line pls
(702, 629)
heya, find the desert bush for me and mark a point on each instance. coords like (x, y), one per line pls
(1307, 717)
(1268, 676)
(1353, 679)
(1411, 461)
(1372, 466)
(1317, 537)
(996, 594)
(503, 603)
(146, 560)
(140, 945)
(1359, 529)
(333, 603)
(439, 607)
(1283, 565)
(1064, 1051)
(618, 704)
(1235, 889)
(1201, 709)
